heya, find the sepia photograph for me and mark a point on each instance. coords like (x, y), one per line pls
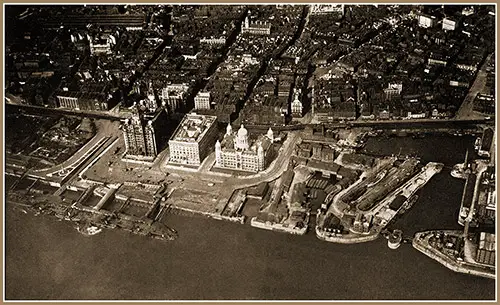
(249, 152)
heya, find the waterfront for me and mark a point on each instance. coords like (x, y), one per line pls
(439, 201)
(48, 259)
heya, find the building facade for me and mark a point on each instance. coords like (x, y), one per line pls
(238, 153)
(323, 9)
(202, 100)
(213, 41)
(426, 21)
(143, 134)
(102, 44)
(256, 27)
(193, 139)
(297, 109)
(137, 136)
(449, 25)
(94, 101)
(172, 96)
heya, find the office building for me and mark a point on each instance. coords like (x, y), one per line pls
(144, 133)
(193, 139)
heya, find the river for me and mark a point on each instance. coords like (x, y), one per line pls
(47, 259)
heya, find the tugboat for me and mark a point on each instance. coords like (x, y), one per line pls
(394, 240)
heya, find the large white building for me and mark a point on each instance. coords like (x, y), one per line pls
(173, 95)
(213, 41)
(237, 152)
(256, 27)
(202, 100)
(193, 139)
(102, 44)
(322, 9)
(426, 21)
(449, 25)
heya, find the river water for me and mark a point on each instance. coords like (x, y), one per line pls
(47, 259)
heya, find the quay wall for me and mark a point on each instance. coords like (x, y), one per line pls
(456, 266)
(320, 234)
(276, 227)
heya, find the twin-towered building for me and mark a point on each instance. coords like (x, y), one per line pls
(238, 152)
(144, 133)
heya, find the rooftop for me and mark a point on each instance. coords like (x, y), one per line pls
(193, 127)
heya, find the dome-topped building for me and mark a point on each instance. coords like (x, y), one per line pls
(242, 132)
(242, 139)
(237, 151)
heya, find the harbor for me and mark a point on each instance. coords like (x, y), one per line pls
(328, 152)
(223, 239)
(88, 220)
(360, 212)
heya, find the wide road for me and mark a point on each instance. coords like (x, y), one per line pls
(105, 129)
(224, 183)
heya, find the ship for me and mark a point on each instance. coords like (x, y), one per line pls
(408, 204)
(464, 212)
(379, 177)
(458, 171)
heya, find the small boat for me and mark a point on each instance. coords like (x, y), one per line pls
(395, 239)
(88, 229)
(93, 230)
(477, 144)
